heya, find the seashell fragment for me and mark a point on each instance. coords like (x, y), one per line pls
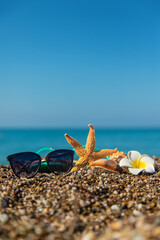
(108, 164)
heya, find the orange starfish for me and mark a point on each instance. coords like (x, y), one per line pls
(87, 155)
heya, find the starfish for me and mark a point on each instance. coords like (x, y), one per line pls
(87, 155)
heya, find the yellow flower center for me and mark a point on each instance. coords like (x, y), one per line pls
(138, 164)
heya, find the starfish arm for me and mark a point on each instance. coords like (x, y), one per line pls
(82, 162)
(103, 153)
(90, 144)
(76, 145)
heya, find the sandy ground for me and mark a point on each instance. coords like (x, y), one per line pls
(87, 205)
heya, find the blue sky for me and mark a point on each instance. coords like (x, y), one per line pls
(71, 63)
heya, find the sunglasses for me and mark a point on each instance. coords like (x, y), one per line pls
(27, 164)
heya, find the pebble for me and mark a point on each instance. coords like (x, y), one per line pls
(140, 206)
(115, 208)
(3, 218)
(136, 212)
(3, 203)
(138, 237)
(115, 192)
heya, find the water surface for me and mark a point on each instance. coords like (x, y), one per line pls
(142, 140)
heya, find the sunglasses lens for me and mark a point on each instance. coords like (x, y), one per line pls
(25, 164)
(60, 160)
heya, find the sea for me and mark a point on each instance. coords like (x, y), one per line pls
(146, 141)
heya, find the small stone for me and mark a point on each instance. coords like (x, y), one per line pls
(136, 212)
(116, 225)
(21, 211)
(83, 203)
(138, 237)
(3, 203)
(115, 192)
(139, 206)
(115, 208)
(130, 204)
(88, 236)
(3, 218)
(62, 228)
(152, 205)
(38, 230)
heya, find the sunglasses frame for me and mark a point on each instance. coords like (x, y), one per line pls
(40, 160)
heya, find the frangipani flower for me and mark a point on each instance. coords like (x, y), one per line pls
(137, 163)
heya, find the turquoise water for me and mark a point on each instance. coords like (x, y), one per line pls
(144, 141)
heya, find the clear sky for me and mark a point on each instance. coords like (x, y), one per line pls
(68, 63)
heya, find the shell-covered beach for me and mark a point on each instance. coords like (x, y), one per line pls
(86, 205)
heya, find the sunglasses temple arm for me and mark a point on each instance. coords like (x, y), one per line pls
(45, 149)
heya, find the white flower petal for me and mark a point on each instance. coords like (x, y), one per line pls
(125, 162)
(145, 158)
(133, 155)
(135, 171)
(150, 168)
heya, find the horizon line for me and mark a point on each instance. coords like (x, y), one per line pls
(80, 128)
